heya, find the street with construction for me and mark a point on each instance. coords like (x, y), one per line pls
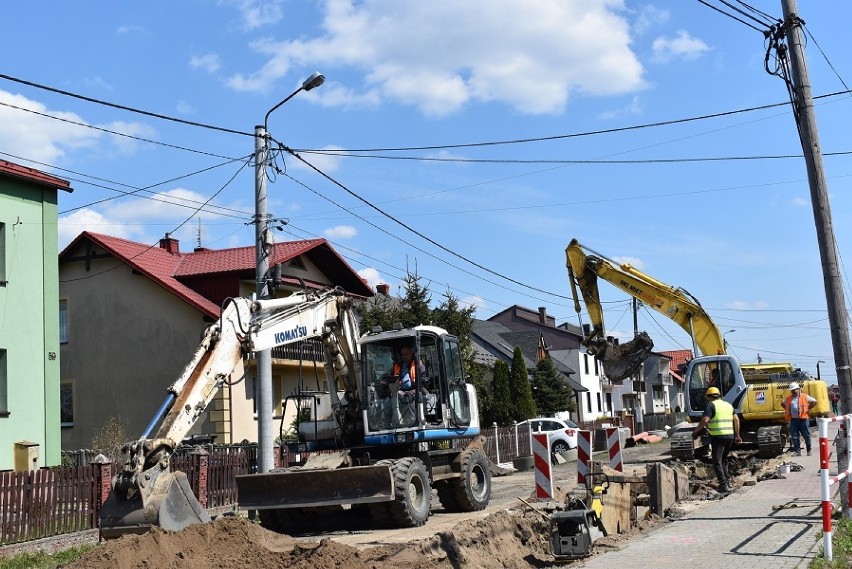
(772, 518)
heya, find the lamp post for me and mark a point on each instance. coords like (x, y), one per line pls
(724, 341)
(819, 362)
(263, 248)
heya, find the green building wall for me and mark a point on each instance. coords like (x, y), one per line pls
(29, 320)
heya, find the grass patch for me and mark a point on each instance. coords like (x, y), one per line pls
(42, 560)
(841, 547)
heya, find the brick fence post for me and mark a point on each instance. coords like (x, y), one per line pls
(201, 462)
(102, 470)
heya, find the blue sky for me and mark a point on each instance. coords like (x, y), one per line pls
(738, 234)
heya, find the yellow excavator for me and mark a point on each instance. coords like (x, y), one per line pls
(757, 391)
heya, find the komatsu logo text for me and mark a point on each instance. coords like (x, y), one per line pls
(291, 335)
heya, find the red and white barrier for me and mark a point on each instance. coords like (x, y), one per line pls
(584, 454)
(827, 481)
(543, 476)
(613, 445)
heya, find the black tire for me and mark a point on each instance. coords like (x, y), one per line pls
(379, 511)
(559, 447)
(446, 490)
(471, 491)
(413, 494)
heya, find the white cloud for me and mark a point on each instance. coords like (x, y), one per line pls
(372, 276)
(801, 202)
(340, 232)
(130, 29)
(684, 46)
(37, 137)
(185, 108)
(209, 62)
(97, 83)
(634, 262)
(649, 17)
(177, 203)
(257, 13)
(71, 225)
(634, 108)
(475, 301)
(44, 139)
(743, 305)
(439, 56)
(324, 162)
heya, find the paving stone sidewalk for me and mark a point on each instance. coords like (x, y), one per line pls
(775, 524)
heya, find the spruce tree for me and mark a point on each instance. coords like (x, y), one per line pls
(550, 391)
(501, 396)
(519, 386)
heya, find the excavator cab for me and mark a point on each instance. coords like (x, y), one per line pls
(722, 372)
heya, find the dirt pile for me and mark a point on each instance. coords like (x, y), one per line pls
(506, 539)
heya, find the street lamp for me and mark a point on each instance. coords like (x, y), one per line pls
(819, 362)
(724, 341)
(263, 248)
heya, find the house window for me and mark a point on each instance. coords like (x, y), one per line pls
(297, 263)
(4, 385)
(659, 396)
(63, 321)
(2, 253)
(596, 367)
(588, 402)
(66, 404)
(586, 362)
(599, 403)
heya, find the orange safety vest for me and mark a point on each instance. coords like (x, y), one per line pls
(803, 407)
(397, 369)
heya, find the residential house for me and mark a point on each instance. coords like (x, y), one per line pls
(30, 325)
(659, 384)
(677, 367)
(136, 312)
(532, 331)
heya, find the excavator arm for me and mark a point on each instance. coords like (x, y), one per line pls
(586, 266)
(146, 492)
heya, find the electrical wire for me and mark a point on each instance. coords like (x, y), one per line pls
(122, 107)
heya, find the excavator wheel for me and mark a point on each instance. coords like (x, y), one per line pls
(411, 506)
(472, 490)
(770, 441)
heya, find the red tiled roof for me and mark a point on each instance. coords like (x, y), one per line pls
(678, 357)
(157, 264)
(167, 268)
(240, 258)
(31, 175)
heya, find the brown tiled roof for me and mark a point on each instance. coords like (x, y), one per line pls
(678, 358)
(35, 176)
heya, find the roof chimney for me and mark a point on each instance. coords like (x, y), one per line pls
(170, 244)
(383, 288)
(542, 314)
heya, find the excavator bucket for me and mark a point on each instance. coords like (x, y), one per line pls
(315, 487)
(623, 360)
(164, 499)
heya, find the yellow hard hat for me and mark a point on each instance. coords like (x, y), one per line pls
(712, 391)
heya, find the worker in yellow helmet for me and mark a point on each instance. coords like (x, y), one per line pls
(723, 426)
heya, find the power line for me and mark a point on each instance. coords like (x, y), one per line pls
(558, 161)
(122, 107)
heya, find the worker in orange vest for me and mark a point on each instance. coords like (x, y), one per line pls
(796, 411)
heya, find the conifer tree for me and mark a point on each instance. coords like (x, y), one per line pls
(501, 396)
(550, 391)
(519, 386)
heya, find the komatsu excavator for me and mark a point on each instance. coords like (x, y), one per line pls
(385, 448)
(757, 391)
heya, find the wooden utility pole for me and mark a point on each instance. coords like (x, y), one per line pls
(806, 123)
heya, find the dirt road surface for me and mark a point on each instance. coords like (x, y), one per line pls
(506, 534)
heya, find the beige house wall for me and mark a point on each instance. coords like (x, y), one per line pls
(128, 340)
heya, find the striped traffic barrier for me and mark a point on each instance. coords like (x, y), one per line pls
(543, 477)
(826, 481)
(613, 445)
(584, 455)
